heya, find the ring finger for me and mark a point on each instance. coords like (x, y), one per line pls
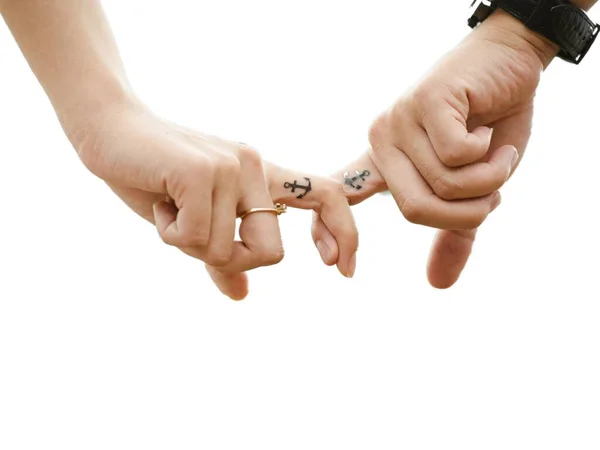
(259, 232)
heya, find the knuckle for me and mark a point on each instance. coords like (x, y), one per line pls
(217, 258)
(413, 210)
(249, 156)
(333, 192)
(195, 238)
(475, 221)
(199, 163)
(423, 96)
(451, 155)
(166, 239)
(230, 166)
(446, 187)
(378, 131)
(272, 256)
(374, 154)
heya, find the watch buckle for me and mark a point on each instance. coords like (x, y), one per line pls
(479, 11)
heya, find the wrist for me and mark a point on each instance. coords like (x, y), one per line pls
(81, 109)
(505, 29)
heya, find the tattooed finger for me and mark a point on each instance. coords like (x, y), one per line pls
(361, 179)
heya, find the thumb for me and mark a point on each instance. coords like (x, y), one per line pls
(449, 254)
(448, 257)
(233, 285)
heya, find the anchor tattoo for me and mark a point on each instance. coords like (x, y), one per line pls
(295, 185)
(353, 181)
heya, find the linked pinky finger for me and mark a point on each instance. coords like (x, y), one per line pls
(327, 198)
(324, 241)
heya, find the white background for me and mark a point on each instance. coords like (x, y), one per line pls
(109, 339)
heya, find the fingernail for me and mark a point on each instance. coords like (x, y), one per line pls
(351, 266)
(491, 134)
(496, 199)
(514, 160)
(324, 251)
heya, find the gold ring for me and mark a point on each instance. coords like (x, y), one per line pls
(279, 209)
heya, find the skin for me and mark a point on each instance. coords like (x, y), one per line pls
(190, 185)
(324, 200)
(434, 148)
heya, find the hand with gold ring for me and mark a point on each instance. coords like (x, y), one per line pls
(191, 186)
(288, 188)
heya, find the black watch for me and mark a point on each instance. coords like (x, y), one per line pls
(558, 20)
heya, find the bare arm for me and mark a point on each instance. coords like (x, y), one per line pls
(70, 48)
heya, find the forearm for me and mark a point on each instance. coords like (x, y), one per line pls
(70, 48)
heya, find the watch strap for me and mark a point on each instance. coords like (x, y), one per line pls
(559, 21)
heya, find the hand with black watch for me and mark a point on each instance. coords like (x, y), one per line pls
(447, 146)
